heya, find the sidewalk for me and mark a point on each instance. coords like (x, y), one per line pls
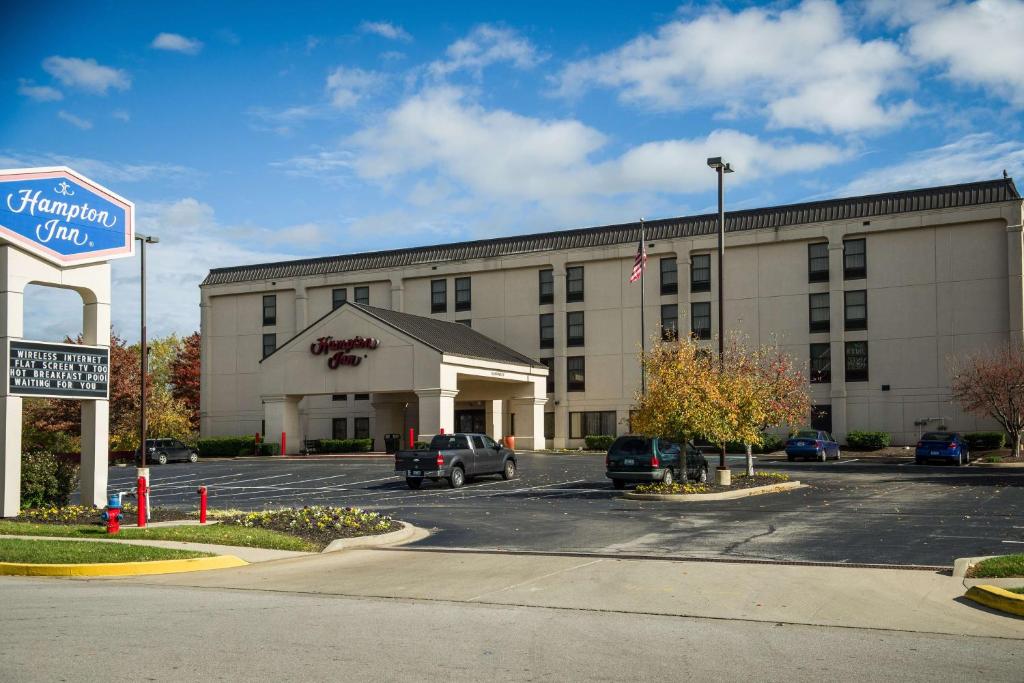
(889, 599)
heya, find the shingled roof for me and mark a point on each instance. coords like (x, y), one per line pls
(849, 208)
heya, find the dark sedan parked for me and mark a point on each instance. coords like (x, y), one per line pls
(637, 459)
(812, 443)
(163, 451)
(945, 446)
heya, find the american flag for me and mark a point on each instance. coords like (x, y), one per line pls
(640, 263)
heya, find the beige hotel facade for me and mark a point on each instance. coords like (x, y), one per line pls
(538, 335)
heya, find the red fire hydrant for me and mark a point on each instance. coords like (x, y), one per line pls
(202, 504)
(112, 514)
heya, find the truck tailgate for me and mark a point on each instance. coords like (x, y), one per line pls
(407, 461)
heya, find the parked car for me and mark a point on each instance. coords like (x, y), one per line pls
(456, 458)
(812, 443)
(638, 459)
(950, 447)
(163, 451)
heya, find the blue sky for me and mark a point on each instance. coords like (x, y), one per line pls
(258, 132)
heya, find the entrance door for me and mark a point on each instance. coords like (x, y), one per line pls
(471, 421)
(821, 418)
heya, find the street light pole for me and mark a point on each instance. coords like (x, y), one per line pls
(143, 350)
(721, 168)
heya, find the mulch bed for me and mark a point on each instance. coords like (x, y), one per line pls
(738, 482)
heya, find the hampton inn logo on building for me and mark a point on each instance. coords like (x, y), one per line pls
(339, 351)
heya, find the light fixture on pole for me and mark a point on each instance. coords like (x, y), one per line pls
(143, 353)
(721, 168)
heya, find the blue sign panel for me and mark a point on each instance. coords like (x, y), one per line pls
(64, 217)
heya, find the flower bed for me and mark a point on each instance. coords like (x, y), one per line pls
(81, 514)
(741, 481)
(317, 524)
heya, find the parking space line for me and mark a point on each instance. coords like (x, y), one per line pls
(325, 489)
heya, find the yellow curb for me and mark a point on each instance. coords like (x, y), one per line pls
(997, 598)
(196, 564)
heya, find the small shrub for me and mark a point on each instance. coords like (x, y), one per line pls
(673, 488)
(774, 476)
(47, 480)
(992, 458)
(599, 442)
(985, 441)
(772, 443)
(226, 446)
(868, 441)
(270, 449)
(346, 445)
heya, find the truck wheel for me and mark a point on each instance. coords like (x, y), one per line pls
(457, 479)
(618, 484)
(414, 482)
(509, 472)
(668, 478)
(193, 457)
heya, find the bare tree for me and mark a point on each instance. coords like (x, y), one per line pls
(991, 383)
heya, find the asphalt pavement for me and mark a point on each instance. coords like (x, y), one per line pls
(851, 512)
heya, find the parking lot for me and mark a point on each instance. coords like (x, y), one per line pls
(854, 511)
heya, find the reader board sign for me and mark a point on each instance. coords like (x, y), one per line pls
(44, 369)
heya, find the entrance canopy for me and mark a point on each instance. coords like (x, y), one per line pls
(402, 359)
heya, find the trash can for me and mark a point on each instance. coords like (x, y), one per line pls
(510, 442)
(392, 442)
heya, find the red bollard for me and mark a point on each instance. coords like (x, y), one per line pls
(202, 504)
(256, 449)
(412, 438)
(142, 491)
(442, 431)
(284, 450)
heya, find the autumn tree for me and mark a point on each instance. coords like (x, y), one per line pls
(184, 376)
(991, 382)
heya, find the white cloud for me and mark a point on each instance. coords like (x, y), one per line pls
(789, 64)
(319, 164)
(283, 121)
(978, 156)
(385, 29)
(898, 13)
(486, 45)
(105, 172)
(86, 74)
(121, 115)
(346, 86)
(39, 93)
(76, 121)
(174, 42)
(978, 43)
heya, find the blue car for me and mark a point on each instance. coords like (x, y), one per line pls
(949, 447)
(812, 443)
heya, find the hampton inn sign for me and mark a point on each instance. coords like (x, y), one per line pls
(340, 350)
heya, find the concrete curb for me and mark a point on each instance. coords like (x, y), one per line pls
(725, 495)
(997, 598)
(122, 568)
(406, 534)
(962, 564)
(999, 465)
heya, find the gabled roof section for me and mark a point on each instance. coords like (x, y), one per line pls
(849, 208)
(443, 336)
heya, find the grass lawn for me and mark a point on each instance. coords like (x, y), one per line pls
(221, 534)
(1016, 590)
(998, 567)
(77, 552)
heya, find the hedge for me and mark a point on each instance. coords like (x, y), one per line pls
(599, 442)
(345, 445)
(47, 480)
(771, 444)
(227, 446)
(985, 441)
(270, 449)
(868, 441)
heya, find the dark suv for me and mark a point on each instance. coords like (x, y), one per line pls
(639, 459)
(162, 451)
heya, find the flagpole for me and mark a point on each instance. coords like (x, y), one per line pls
(643, 327)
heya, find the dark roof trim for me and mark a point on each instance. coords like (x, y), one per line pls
(849, 208)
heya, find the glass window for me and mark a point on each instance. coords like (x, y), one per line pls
(339, 428)
(821, 363)
(700, 273)
(550, 364)
(574, 328)
(270, 309)
(361, 397)
(819, 312)
(857, 361)
(669, 275)
(547, 286)
(549, 426)
(574, 284)
(362, 425)
(338, 297)
(592, 423)
(489, 442)
(547, 330)
(362, 295)
(855, 263)
(669, 322)
(438, 296)
(700, 319)
(576, 372)
(478, 443)
(463, 294)
(339, 397)
(269, 344)
(856, 309)
(817, 262)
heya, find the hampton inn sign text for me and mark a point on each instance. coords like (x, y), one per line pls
(339, 351)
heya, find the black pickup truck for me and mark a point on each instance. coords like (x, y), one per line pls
(455, 457)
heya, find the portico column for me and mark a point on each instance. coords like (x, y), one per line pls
(10, 406)
(281, 414)
(301, 308)
(837, 338)
(529, 422)
(95, 413)
(493, 416)
(437, 411)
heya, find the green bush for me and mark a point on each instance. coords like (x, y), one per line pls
(270, 449)
(226, 446)
(985, 441)
(868, 441)
(772, 443)
(47, 480)
(599, 442)
(345, 445)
